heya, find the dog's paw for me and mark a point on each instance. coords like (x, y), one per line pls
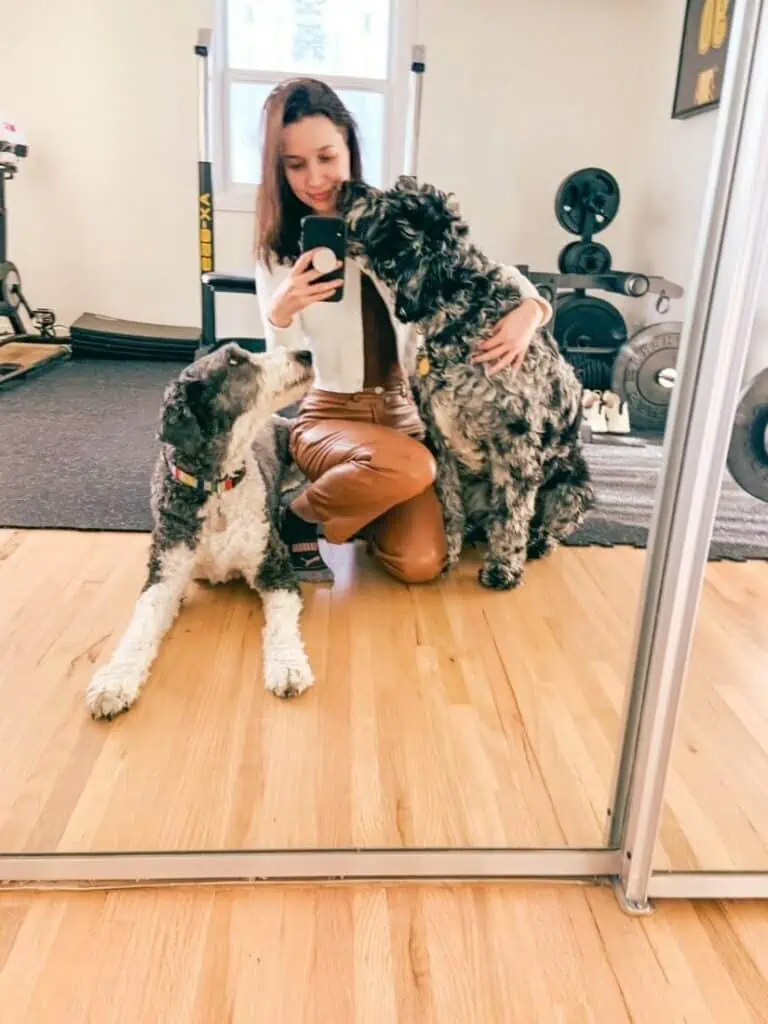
(110, 693)
(540, 547)
(498, 576)
(289, 680)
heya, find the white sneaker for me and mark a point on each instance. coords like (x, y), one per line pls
(593, 412)
(616, 413)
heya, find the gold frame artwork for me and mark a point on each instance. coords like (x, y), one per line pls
(703, 52)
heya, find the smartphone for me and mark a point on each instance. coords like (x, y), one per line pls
(325, 232)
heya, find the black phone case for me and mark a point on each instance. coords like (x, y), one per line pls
(329, 232)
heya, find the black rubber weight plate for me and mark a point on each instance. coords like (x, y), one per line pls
(583, 321)
(748, 451)
(590, 190)
(639, 372)
(585, 258)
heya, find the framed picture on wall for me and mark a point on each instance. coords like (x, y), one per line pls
(703, 51)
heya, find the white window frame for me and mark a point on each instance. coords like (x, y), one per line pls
(232, 197)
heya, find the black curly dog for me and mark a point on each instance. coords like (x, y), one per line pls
(508, 446)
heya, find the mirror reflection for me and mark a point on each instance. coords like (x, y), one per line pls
(327, 486)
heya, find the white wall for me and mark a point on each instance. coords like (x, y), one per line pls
(534, 92)
(516, 95)
(541, 89)
(102, 214)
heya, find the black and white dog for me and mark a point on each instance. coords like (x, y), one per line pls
(508, 446)
(215, 499)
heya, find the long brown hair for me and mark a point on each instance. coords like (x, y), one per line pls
(278, 211)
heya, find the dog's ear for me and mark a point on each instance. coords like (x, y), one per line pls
(407, 308)
(183, 416)
(414, 293)
(352, 192)
(234, 353)
(424, 291)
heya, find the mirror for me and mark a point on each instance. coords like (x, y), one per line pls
(443, 715)
(714, 817)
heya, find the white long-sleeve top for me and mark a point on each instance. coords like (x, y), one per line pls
(333, 331)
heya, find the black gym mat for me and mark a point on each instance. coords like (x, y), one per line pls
(78, 445)
(93, 335)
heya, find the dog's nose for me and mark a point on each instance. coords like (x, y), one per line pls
(304, 357)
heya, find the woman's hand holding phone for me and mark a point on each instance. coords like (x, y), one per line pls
(300, 289)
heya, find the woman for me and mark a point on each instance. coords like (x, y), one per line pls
(358, 436)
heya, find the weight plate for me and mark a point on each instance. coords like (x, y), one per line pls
(594, 373)
(645, 372)
(584, 258)
(582, 321)
(587, 201)
(10, 286)
(748, 450)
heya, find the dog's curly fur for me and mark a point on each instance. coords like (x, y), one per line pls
(218, 421)
(508, 446)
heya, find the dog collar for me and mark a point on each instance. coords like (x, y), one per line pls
(223, 483)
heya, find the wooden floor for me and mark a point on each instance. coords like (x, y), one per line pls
(443, 715)
(716, 809)
(390, 955)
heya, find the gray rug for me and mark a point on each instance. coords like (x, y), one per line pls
(626, 479)
(77, 446)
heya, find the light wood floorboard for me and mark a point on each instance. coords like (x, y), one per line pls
(516, 954)
(442, 715)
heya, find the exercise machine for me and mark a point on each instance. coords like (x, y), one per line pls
(96, 335)
(21, 350)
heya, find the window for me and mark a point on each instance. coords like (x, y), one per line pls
(350, 44)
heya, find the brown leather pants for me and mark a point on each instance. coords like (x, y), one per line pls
(370, 473)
